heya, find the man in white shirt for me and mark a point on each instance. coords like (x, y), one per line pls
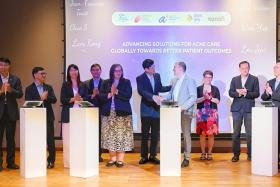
(184, 92)
(10, 91)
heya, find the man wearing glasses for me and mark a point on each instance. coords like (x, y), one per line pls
(10, 91)
(40, 91)
(148, 86)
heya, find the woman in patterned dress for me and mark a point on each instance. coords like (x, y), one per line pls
(116, 132)
(208, 96)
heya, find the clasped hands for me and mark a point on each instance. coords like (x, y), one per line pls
(268, 89)
(242, 92)
(114, 91)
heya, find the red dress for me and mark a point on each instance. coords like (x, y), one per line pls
(207, 118)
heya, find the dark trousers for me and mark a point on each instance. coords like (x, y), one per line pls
(278, 138)
(50, 141)
(10, 127)
(100, 149)
(238, 118)
(147, 124)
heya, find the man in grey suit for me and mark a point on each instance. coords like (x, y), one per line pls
(184, 92)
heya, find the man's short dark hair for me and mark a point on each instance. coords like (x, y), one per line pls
(147, 63)
(36, 70)
(244, 62)
(5, 60)
(94, 66)
(208, 72)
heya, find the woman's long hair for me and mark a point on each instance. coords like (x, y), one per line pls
(69, 81)
(112, 70)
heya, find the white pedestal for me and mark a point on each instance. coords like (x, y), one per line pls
(170, 141)
(84, 142)
(265, 141)
(33, 142)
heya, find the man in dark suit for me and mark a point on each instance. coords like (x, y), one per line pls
(10, 91)
(243, 89)
(272, 92)
(40, 91)
(148, 86)
(94, 86)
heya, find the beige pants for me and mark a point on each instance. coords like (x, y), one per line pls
(65, 138)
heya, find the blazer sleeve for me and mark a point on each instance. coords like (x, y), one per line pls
(104, 91)
(140, 88)
(17, 89)
(256, 90)
(28, 94)
(64, 99)
(265, 96)
(51, 96)
(125, 93)
(163, 88)
(191, 100)
(218, 96)
(232, 91)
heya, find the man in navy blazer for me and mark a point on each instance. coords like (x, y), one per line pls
(94, 86)
(272, 93)
(40, 91)
(243, 89)
(10, 91)
(148, 86)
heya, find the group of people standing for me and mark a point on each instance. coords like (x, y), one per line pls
(112, 97)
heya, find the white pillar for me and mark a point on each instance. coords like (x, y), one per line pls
(170, 141)
(84, 142)
(33, 142)
(265, 141)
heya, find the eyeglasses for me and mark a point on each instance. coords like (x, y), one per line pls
(4, 65)
(208, 77)
(42, 73)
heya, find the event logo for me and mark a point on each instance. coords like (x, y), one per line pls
(163, 19)
(171, 18)
(137, 19)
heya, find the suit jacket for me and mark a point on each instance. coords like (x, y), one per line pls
(122, 105)
(187, 94)
(65, 95)
(215, 94)
(275, 97)
(148, 107)
(32, 94)
(96, 101)
(246, 103)
(11, 98)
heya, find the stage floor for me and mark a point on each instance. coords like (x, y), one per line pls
(219, 172)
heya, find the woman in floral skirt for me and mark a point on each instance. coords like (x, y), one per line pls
(207, 114)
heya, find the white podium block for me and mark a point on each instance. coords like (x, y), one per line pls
(265, 141)
(84, 142)
(33, 142)
(170, 141)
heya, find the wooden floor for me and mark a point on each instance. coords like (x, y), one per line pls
(219, 172)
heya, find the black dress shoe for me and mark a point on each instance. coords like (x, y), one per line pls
(12, 166)
(143, 160)
(119, 164)
(1, 168)
(235, 159)
(50, 165)
(110, 163)
(101, 159)
(185, 163)
(154, 160)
